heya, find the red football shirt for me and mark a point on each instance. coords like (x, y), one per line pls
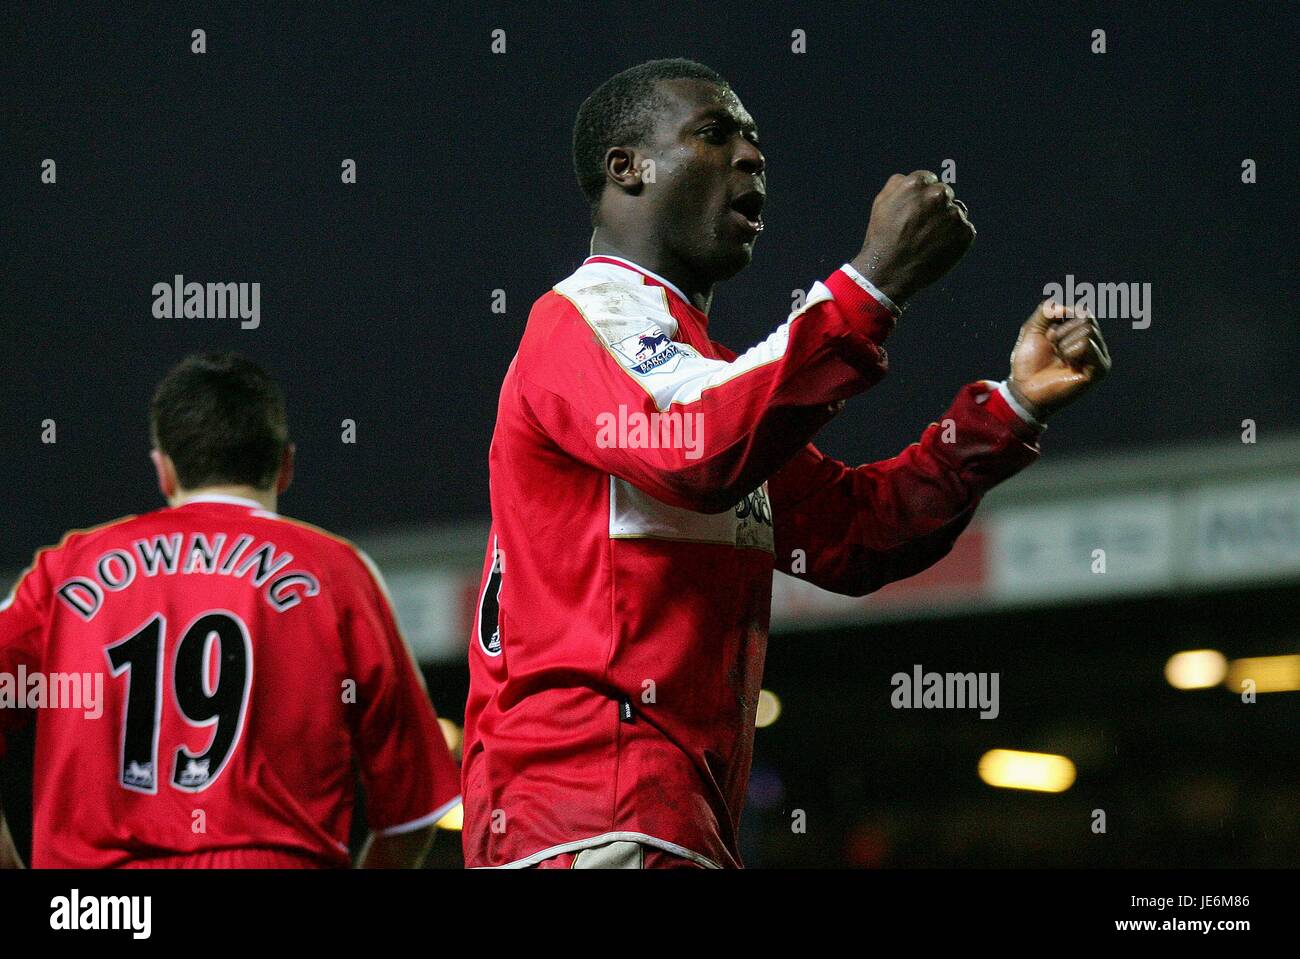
(645, 484)
(206, 677)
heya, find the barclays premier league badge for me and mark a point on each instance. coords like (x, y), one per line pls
(650, 351)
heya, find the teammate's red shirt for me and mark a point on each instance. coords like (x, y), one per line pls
(246, 661)
(626, 590)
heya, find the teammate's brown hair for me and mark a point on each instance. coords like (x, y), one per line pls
(222, 421)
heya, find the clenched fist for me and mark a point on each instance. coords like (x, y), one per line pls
(918, 231)
(1058, 356)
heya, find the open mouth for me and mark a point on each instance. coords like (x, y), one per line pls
(749, 207)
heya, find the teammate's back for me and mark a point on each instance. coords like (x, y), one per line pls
(213, 672)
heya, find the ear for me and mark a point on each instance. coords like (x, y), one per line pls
(623, 167)
(166, 471)
(285, 479)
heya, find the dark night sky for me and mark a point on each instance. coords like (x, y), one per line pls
(1122, 167)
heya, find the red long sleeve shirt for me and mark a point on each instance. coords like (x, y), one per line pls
(645, 483)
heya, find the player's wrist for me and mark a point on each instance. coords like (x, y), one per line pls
(892, 282)
(1034, 412)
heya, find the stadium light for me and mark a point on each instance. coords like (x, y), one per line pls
(769, 708)
(1039, 772)
(1271, 674)
(1196, 669)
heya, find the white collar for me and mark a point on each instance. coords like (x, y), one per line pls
(636, 266)
(221, 498)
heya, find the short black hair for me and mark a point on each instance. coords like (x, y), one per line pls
(622, 112)
(222, 421)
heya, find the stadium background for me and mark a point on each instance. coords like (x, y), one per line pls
(377, 307)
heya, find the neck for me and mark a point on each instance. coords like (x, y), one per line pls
(644, 252)
(263, 497)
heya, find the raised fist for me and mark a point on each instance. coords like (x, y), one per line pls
(1058, 356)
(918, 231)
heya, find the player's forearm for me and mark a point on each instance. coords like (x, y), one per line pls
(751, 428)
(9, 858)
(404, 851)
(862, 528)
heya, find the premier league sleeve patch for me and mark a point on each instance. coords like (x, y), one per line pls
(650, 351)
